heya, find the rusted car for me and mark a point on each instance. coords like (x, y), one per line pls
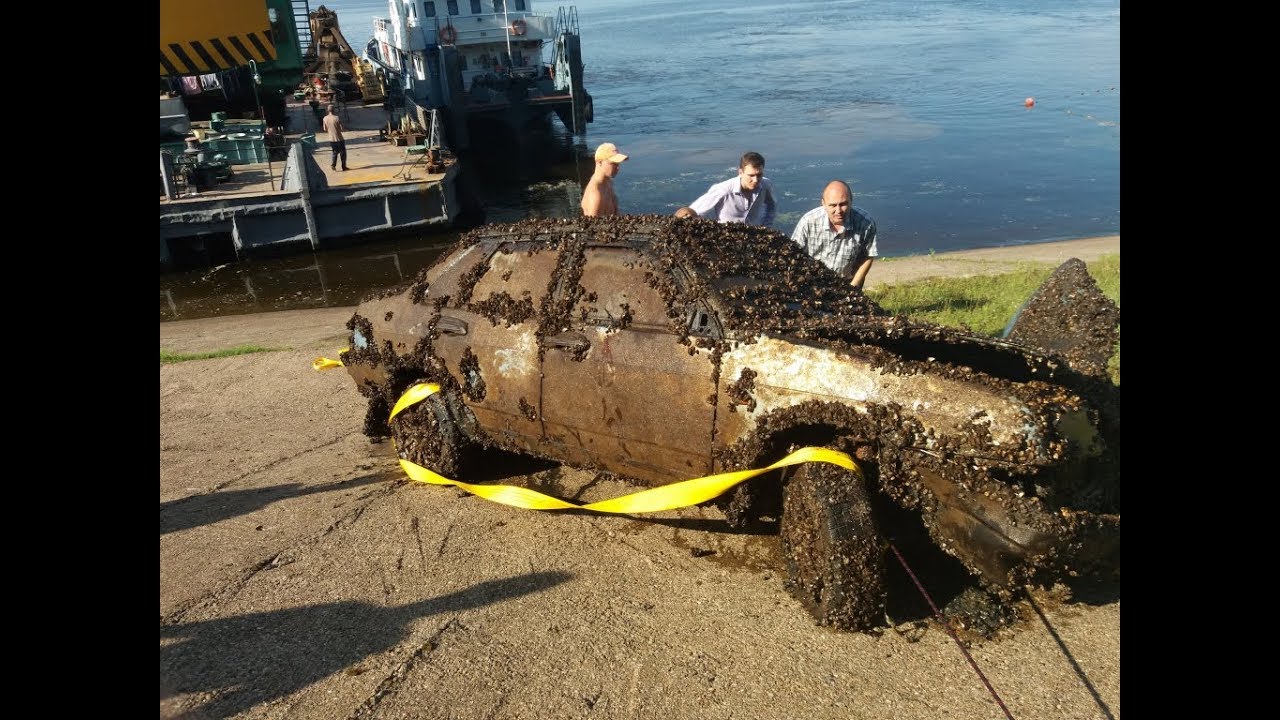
(661, 350)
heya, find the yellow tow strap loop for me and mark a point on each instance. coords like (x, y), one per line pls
(666, 497)
(324, 363)
(415, 394)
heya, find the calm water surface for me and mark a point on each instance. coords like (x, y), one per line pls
(917, 104)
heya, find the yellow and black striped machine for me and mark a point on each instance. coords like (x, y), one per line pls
(198, 38)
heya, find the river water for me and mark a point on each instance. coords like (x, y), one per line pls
(918, 104)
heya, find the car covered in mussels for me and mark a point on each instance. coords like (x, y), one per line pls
(662, 349)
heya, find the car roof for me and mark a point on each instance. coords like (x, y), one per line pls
(759, 279)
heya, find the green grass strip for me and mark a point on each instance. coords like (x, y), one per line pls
(984, 304)
(173, 357)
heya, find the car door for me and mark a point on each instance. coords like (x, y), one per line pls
(488, 340)
(619, 390)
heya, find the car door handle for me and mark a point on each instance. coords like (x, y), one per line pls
(451, 326)
(569, 341)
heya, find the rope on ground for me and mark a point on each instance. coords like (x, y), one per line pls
(951, 631)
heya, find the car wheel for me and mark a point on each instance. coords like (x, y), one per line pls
(833, 552)
(427, 434)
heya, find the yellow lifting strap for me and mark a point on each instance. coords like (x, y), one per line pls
(324, 363)
(415, 394)
(667, 497)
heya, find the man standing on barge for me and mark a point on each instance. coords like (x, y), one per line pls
(747, 198)
(333, 126)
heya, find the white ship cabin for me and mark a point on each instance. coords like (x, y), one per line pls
(491, 36)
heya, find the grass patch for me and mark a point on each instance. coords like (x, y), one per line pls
(173, 357)
(984, 304)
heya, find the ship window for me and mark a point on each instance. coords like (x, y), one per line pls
(499, 6)
(462, 61)
(520, 4)
(475, 7)
(453, 7)
(430, 8)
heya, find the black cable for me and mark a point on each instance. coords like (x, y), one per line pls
(937, 614)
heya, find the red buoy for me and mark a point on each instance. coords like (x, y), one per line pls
(1029, 102)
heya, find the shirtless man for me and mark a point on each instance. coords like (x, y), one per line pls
(599, 198)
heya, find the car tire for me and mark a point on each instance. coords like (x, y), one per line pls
(428, 434)
(834, 554)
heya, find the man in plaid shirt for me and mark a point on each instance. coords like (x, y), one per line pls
(839, 235)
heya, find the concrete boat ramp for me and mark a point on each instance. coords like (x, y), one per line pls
(300, 204)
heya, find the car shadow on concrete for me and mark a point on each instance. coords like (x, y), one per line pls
(707, 525)
(247, 660)
(491, 465)
(209, 508)
(1070, 657)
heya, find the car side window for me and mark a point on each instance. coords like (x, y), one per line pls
(616, 291)
(515, 281)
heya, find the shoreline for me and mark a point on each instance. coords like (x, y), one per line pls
(323, 329)
(988, 261)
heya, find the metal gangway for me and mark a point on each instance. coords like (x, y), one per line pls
(567, 20)
(302, 23)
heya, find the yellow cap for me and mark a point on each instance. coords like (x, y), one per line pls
(609, 151)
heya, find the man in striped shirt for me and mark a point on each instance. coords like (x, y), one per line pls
(839, 235)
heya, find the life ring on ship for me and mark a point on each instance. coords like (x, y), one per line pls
(448, 35)
(519, 27)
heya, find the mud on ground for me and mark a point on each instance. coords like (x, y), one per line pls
(302, 577)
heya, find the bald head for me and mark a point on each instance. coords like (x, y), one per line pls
(836, 189)
(837, 198)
